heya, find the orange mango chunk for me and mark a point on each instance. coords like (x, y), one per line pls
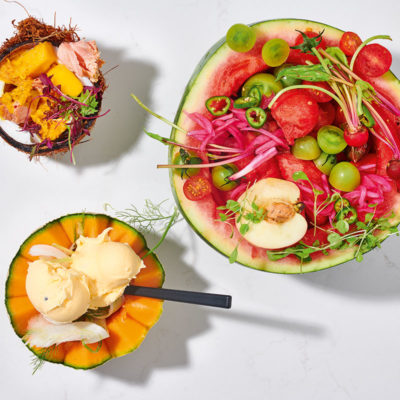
(60, 75)
(35, 61)
(145, 310)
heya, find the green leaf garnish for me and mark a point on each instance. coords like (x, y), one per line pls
(337, 53)
(233, 256)
(313, 73)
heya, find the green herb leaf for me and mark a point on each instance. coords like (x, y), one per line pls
(233, 256)
(223, 217)
(244, 228)
(300, 175)
(342, 226)
(312, 73)
(337, 53)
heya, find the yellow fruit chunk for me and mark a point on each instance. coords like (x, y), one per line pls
(70, 84)
(35, 61)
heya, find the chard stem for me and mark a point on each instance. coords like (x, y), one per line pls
(156, 115)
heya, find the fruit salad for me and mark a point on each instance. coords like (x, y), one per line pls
(51, 88)
(285, 150)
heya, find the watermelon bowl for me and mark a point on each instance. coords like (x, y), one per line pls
(127, 326)
(223, 72)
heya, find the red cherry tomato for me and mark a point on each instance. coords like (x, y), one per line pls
(196, 188)
(373, 61)
(349, 43)
(358, 138)
(326, 115)
(339, 117)
(393, 169)
(317, 95)
(296, 113)
(297, 57)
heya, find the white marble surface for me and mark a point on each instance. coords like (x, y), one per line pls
(328, 335)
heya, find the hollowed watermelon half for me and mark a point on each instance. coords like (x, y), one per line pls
(222, 72)
(127, 327)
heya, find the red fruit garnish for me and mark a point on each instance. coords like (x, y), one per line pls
(367, 164)
(297, 57)
(326, 115)
(355, 154)
(196, 188)
(358, 138)
(393, 169)
(339, 117)
(317, 95)
(349, 43)
(373, 61)
(296, 113)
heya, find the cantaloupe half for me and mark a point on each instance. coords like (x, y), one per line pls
(223, 71)
(127, 327)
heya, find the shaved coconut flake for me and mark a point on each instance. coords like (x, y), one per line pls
(42, 333)
(45, 250)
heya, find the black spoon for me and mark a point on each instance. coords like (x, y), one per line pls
(183, 296)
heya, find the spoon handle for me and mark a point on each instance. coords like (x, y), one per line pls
(183, 296)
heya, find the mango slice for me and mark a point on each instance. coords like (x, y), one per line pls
(60, 75)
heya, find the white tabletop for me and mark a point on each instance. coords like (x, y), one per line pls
(328, 335)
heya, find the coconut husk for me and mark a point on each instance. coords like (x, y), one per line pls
(29, 32)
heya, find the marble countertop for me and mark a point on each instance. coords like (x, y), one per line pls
(328, 335)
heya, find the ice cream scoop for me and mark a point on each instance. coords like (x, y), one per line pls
(109, 267)
(58, 292)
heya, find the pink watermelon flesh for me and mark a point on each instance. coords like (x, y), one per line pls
(296, 113)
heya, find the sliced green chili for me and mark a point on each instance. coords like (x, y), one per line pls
(256, 117)
(218, 105)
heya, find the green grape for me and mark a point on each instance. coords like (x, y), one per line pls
(266, 83)
(220, 177)
(330, 139)
(345, 176)
(325, 162)
(241, 38)
(275, 52)
(306, 148)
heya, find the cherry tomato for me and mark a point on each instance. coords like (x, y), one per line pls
(358, 138)
(318, 96)
(345, 176)
(275, 52)
(306, 148)
(349, 43)
(326, 115)
(339, 117)
(241, 38)
(220, 176)
(196, 188)
(373, 61)
(325, 162)
(187, 172)
(330, 139)
(297, 57)
(296, 113)
(393, 169)
(286, 81)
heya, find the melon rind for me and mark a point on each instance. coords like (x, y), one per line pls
(201, 215)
